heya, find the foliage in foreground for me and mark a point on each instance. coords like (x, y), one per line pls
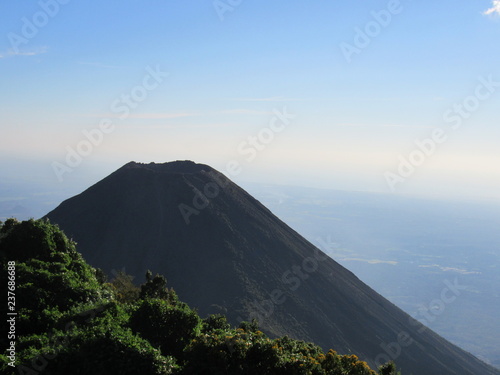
(72, 321)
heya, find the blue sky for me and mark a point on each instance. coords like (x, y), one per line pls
(66, 67)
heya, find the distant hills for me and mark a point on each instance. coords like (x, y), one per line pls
(226, 253)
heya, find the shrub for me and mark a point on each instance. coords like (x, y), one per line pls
(167, 327)
(215, 322)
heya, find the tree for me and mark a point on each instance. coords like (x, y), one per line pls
(51, 277)
(154, 287)
(126, 291)
(34, 239)
(252, 326)
(69, 321)
(101, 276)
(388, 368)
(99, 350)
(214, 322)
(167, 327)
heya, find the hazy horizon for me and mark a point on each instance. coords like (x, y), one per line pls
(388, 96)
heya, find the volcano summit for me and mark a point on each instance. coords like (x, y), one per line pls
(224, 252)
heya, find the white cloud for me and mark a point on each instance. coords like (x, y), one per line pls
(144, 116)
(99, 65)
(161, 116)
(450, 269)
(11, 53)
(271, 99)
(243, 112)
(370, 261)
(494, 9)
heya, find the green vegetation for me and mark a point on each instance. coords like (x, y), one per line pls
(70, 320)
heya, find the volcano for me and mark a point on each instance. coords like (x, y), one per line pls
(224, 252)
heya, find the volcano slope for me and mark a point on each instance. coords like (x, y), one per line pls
(224, 252)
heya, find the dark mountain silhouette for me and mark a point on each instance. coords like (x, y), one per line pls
(224, 252)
